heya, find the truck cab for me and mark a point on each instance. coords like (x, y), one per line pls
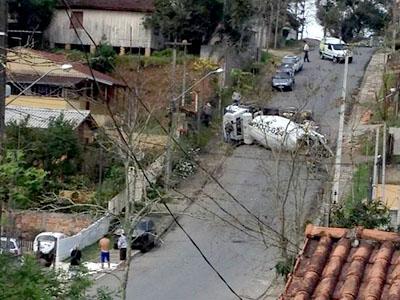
(334, 49)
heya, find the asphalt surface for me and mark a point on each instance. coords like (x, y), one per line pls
(258, 179)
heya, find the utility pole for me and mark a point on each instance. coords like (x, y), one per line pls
(375, 173)
(394, 33)
(3, 60)
(338, 160)
(383, 162)
(185, 44)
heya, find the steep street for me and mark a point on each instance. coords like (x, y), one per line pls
(177, 271)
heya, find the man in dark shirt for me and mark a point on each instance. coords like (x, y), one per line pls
(76, 256)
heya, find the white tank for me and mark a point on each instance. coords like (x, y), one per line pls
(246, 119)
(275, 132)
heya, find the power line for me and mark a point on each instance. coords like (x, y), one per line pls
(181, 148)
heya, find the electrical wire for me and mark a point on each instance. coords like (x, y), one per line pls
(181, 148)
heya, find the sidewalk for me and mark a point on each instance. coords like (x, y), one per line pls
(356, 126)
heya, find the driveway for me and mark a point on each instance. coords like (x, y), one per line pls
(245, 258)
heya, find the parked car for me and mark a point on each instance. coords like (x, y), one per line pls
(334, 49)
(45, 243)
(289, 68)
(294, 60)
(12, 246)
(144, 235)
(283, 81)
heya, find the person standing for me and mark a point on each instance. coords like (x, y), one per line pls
(104, 245)
(306, 50)
(76, 256)
(122, 245)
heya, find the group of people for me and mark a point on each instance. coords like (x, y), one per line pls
(104, 245)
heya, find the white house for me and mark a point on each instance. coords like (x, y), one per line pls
(119, 22)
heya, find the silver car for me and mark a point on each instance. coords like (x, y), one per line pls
(283, 81)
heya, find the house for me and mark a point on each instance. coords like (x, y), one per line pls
(81, 87)
(81, 120)
(341, 263)
(392, 201)
(119, 22)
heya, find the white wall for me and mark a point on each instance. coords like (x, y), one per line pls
(115, 25)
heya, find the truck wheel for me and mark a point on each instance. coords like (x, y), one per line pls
(350, 60)
(335, 60)
(321, 55)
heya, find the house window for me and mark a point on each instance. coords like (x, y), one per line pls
(76, 20)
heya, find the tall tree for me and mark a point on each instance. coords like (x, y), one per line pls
(193, 20)
(352, 18)
(33, 14)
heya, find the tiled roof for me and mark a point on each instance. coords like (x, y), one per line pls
(122, 5)
(41, 117)
(26, 65)
(62, 59)
(340, 263)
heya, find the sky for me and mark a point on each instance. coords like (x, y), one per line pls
(312, 28)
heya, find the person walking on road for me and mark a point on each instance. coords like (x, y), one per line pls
(104, 245)
(122, 245)
(306, 50)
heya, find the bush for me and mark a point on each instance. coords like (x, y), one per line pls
(357, 210)
(104, 58)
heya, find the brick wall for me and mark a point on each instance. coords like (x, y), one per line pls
(29, 223)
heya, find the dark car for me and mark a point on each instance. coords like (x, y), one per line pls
(143, 237)
(283, 81)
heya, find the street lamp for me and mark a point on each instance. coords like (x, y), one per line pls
(172, 128)
(217, 71)
(64, 67)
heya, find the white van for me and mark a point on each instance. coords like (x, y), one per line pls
(335, 49)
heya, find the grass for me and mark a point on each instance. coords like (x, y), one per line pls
(361, 183)
(91, 253)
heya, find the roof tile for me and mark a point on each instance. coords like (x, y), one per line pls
(333, 265)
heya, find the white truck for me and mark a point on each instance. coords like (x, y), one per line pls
(334, 49)
(244, 124)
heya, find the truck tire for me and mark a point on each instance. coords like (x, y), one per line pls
(321, 55)
(350, 60)
(334, 60)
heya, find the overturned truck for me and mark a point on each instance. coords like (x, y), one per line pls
(274, 129)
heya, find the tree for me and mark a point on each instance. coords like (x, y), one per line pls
(28, 280)
(56, 149)
(193, 20)
(19, 183)
(352, 18)
(33, 14)
(103, 59)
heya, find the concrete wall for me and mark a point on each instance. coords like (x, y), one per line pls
(121, 29)
(29, 223)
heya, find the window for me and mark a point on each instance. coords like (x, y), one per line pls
(76, 20)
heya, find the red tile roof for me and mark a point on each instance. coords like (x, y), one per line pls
(347, 264)
(61, 58)
(116, 5)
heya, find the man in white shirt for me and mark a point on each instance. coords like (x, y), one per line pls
(122, 244)
(306, 50)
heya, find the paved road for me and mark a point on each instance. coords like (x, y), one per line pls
(176, 270)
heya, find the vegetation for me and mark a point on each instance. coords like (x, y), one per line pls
(352, 18)
(33, 14)
(19, 182)
(28, 280)
(103, 59)
(357, 209)
(197, 21)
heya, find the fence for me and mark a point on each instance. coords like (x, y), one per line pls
(84, 238)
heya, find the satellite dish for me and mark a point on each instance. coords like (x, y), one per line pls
(8, 90)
